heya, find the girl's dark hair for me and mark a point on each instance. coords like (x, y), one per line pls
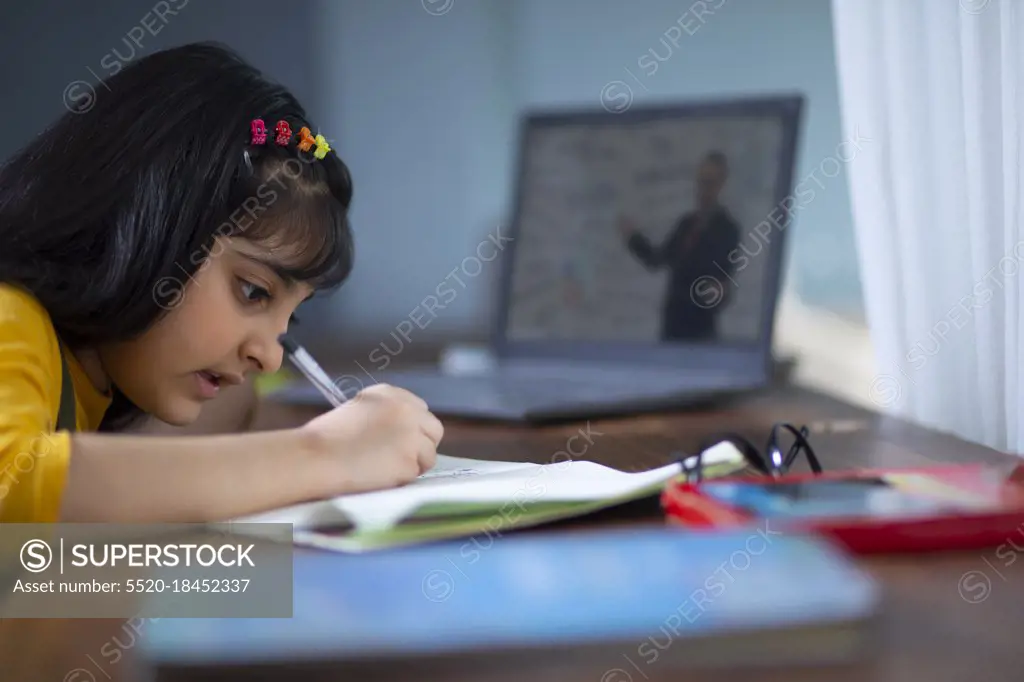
(107, 214)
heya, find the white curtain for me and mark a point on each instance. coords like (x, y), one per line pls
(938, 88)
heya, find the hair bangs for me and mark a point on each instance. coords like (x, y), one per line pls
(309, 236)
(297, 209)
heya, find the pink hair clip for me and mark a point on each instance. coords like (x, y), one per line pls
(259, 131)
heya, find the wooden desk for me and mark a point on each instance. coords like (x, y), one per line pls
(928, 630)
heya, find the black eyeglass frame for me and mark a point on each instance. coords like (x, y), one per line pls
(773, 463)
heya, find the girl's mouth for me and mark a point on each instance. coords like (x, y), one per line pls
(209, 383)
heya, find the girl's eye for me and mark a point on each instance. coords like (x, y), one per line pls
(253, 292)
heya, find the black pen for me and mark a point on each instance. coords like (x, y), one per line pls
(309, 367)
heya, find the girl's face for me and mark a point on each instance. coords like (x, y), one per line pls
(224, 324)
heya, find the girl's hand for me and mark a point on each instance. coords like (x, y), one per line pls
(383, 437)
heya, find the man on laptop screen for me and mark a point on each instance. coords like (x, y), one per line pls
(696, 254)
(645, 230)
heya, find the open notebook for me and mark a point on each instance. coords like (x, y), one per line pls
(461, 497)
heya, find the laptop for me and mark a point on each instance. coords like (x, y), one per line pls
(642, 266)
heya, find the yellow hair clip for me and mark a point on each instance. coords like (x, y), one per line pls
(321, 147)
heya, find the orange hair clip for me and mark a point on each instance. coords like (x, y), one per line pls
(306, 140)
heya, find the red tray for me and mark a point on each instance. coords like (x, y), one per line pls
(964, 506)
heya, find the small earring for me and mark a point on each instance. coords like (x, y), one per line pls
(248, 160)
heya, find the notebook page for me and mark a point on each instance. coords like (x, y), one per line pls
(460, 479)
(459, 467)
(561, 482)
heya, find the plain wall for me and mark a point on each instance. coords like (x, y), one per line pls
(52, 51)
(423, 115)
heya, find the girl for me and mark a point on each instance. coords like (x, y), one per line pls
(153, 250)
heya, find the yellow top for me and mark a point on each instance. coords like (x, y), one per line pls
(33, 457)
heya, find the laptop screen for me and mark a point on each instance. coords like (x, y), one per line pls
(649, 229)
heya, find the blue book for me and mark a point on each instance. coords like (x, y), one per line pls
(644, 591)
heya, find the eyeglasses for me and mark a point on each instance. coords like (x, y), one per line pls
(784, 438)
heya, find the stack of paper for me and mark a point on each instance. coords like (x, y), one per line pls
(463, 497)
